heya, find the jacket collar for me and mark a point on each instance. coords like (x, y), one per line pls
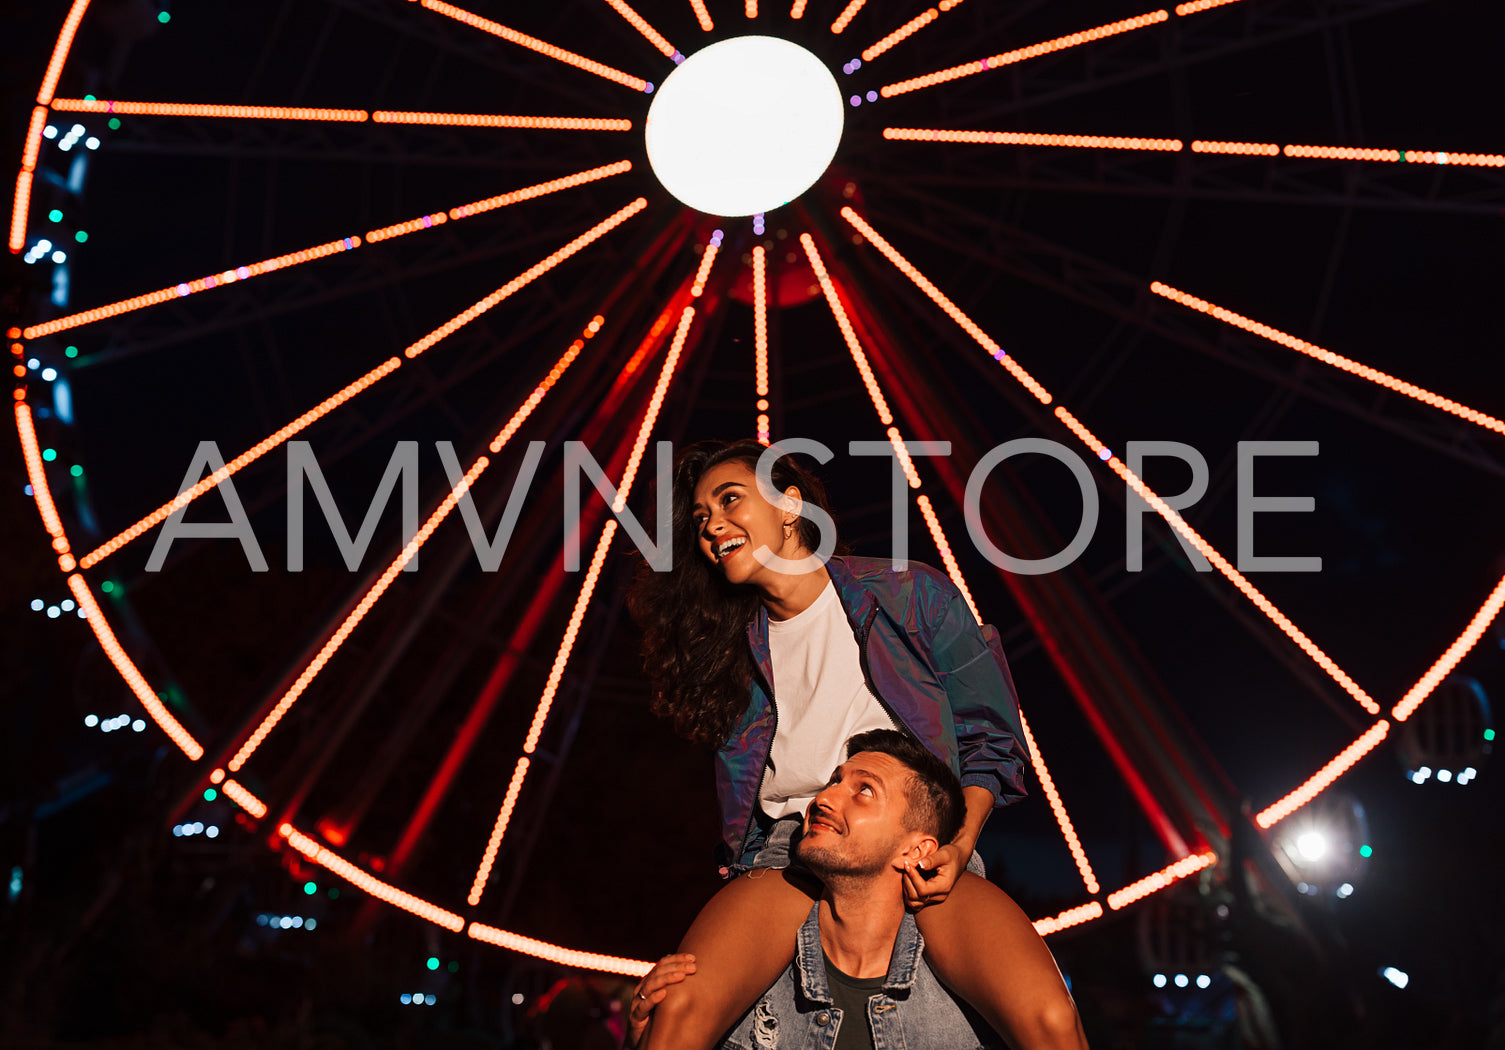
(903, 964)
(856, 601)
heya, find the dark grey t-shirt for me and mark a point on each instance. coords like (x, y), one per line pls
(850, 996)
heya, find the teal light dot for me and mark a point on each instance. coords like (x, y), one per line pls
(334, 893)
(49, 454)
(163, 17)
(71, 351)
(90, 98)
(81, 236)
(433, 963)
(108, 586)
(310, 888)
(454, 967)
(1366, 850)
(114, 123)
(1489, 734)
(76, 470)
(210, 794)
(56, 215)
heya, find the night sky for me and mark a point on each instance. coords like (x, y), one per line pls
(116, 927)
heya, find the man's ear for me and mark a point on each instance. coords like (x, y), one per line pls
(918, 847)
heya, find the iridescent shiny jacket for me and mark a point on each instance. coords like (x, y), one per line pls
(941, 677)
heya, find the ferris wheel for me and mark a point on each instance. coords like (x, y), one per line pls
(312, 273)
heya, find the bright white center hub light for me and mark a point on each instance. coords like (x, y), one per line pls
(1312, 845)
(744, 125)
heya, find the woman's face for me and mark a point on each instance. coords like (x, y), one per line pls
(732, 520)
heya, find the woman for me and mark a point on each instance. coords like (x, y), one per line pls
(759, 650)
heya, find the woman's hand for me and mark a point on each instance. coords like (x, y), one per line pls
(671, 969)
(930, 880)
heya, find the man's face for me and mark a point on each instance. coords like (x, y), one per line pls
(855, 826)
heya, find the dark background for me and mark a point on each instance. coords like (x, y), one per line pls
(121, 933)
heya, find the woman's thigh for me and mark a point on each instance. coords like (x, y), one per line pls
(742, 940)
(983, 946)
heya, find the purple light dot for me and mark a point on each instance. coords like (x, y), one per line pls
(986, 64)
(872, 96)
(183, 289)
(856, 100)
(243, 272)
(648, 88)
(210, 282)
(856, 64)
(677, 57)
(847, 68)
(427, 222)
(1105, 454)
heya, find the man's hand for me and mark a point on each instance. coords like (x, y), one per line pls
(671, 969)
(930, 880)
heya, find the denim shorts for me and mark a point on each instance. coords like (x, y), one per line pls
(783, 834)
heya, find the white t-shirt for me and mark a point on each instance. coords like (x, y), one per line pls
(821, 699)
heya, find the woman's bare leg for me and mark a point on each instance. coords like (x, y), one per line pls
(742, 941)
(987, 951)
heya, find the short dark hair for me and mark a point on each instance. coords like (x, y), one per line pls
(934, 794)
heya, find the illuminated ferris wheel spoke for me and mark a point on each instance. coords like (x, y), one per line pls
(1161, 879)
(384, 891)
(21, 203)
(1327, 357)
(1015, 138)
(205, 109)
(1222, 564)
(553, 953)
(760, 340)
(750, 8)
(702, 16)
(1196, 6)
(582, 603)
(1174, 519)
(155, 709)
(503, 120)
(847, 14)
(116, 107)
(320, 251)
(638, 22)
(904, 32)
(942, 543)
(1069, 918)
(798, 10)
(36, 473)
(356, 615)
(1439, 158)
(332, 402)
(60, 51)
(559, 54)
(1455, 652)
(1020, 54)
(1324, 777)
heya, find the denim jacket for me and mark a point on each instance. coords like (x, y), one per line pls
(913, 1011)
(943, 680)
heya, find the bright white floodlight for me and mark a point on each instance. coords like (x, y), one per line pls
(1312, 845)
(744, 126)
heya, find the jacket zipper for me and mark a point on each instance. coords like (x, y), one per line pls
(867, 678)
(752, 812)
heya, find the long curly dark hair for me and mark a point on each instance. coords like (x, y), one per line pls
(695, 623)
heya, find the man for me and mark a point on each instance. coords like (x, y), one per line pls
(858, 979)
